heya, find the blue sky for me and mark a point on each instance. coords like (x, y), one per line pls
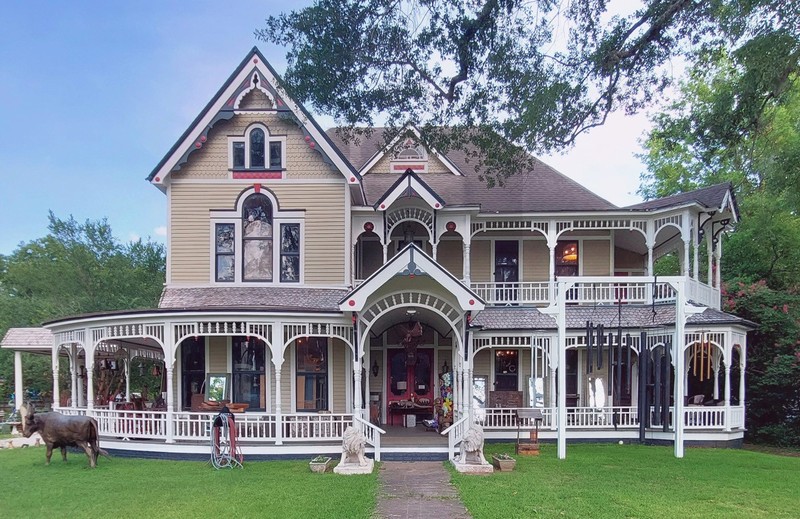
(95, 93)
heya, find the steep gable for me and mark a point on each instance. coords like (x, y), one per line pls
(254, 81)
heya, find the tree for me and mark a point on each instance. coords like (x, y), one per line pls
(706, 136)
(77, 268)
(536, 74)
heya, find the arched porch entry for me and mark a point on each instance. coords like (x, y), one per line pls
(412, 344)
(411, 321)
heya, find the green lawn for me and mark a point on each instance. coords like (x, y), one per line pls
(618, 481)
(121, 488)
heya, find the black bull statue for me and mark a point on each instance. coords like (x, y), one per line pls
(62, 431)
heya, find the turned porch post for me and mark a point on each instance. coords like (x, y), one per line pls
(18, 386)
(73, 372)
(55, 363)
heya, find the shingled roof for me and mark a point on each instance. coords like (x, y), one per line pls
(633, 316)
(711, 197)
(542, 189)
(27, 338)
(252, 298)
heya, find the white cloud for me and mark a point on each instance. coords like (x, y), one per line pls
(133, 237)
(160, 230)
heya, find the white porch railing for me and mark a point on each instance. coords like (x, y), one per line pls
(373, 434)
(455, 433)
(736, 415)
(597, 291)
(132, 424)
(315, 427)
(513, 293)
(704, 417)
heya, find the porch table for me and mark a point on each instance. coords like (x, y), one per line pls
(415, 410)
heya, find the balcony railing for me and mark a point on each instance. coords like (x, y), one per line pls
(595, 290)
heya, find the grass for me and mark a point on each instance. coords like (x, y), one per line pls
(616, 481)
(125, 488)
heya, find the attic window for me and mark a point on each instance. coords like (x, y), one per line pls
(257, 154)
(409, 154)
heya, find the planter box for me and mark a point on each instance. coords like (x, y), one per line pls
(320, 466)
(503, 464)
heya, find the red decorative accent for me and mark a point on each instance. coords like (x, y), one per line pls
(308, 138)
(158, 179)
(471, 302)
(280, 103)
(437, 205)
(257, 187)
(311, 145)
(255, 60)
(411, 275)
(369, 226)
(413, 167)
(355, 318)
(351, 302)
(274, 175)
(203, 138)
(352, 179)
(383, 206)
(198, 144)
(450, 226)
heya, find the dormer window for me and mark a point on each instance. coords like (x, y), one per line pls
(256, 150)
(409, 154)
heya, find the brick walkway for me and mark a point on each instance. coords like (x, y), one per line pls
(417, 489)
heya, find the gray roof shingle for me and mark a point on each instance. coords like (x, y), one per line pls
(711, 197)
(22, 338)
(253, 298)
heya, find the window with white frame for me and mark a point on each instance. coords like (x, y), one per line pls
(256, 242)
(257, 150)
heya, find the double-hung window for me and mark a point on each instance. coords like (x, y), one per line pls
(249, 360)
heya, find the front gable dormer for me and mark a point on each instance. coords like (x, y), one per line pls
(407, 150)
(253, 88)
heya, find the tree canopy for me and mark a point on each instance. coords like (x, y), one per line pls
(708, 136)
(537, 74)
(77, 268)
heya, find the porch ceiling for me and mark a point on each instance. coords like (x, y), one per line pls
(401, 316)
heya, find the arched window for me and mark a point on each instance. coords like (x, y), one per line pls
(257, 238)
(257, 152)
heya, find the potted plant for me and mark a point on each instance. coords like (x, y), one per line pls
(320, 464)
(503, 462)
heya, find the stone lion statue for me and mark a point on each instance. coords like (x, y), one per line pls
(353, 444)
(472, 447)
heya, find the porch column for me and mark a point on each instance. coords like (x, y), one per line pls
(695, 261)
(686, 268)
(127, 380)
(89, 377)
(552, 269)
(561, 317)
(169, 366)
(728, 396)
(650, 240)
(18, 389)
(710, 275)
(466, 261)
(278, 413)
(717, 262)
(278, 349)
(716, 380)
(56, 392)
(679, 340)
(742, 367)
(357, 393)
(73, 372)
(385, 253)
(552, 398)
(649, 258)
(434, 248)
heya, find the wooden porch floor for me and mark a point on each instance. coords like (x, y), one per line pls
(397, 436)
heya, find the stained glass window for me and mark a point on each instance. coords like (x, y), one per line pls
(257, 148)
(290, 252)
(257, 238)
(224, 237)
(275, 155)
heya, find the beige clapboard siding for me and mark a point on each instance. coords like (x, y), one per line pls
(535, 261)
(482, 366)
(211, 160)
(596, 258)
(450, 255)
(218, 354)
(628, 260)
(323, 240)
(481, 261)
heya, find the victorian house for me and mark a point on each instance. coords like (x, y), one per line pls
(314, 283)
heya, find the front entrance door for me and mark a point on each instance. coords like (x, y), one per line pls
(410, 381)
(506, 270)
